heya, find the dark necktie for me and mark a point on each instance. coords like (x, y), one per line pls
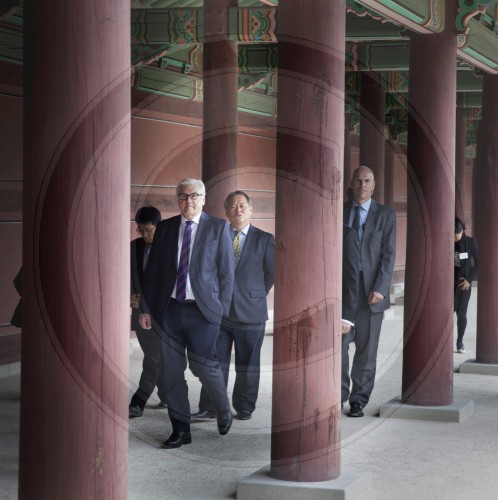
(357, 222)
(181, 279)
(356, 219)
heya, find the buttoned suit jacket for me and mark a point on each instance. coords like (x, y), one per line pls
(377, 251)
(254, 277)
(211, 268)
(350, 272)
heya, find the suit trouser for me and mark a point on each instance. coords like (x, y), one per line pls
(247, 342)
(188, 335)
(152, 365)
(365, 335)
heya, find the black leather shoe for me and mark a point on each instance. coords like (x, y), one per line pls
(225, 420)
(356, 410)
(161, 406)
(202, 415)
(177, 439)
(135, 411)
(244, 415)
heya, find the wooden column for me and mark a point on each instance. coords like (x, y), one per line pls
(74, 382)
(460, 165)
(310, 151)
(486, 205)
(372, 137)
(428, 311)
(219, 132)
(348, 171)
(389, 172)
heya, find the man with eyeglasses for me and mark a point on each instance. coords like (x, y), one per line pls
(187, 290)
(146, 219)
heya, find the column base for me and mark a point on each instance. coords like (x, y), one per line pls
(261, 486)
(459, 411)
(10, 369)
(472, 366)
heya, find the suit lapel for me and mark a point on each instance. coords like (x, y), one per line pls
(248, 244)
(371, 218)
(199, 237)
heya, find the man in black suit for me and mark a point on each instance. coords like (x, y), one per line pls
(254, 253)
(188, 287)
(376, 227)
(146, 219)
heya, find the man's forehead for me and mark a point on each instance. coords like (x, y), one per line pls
(189, 188)
(238, 198)
(363, 176)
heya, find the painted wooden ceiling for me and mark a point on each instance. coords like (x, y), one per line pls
(167, 58)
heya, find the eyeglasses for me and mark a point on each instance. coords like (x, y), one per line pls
(193, 196)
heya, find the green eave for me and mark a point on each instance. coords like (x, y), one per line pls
(181, 86)
(422, 16)
(479, 46)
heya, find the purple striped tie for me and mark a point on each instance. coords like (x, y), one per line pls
(181, 278)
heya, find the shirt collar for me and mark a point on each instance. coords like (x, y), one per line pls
(244, 230)
(196, 219)
(365, 206)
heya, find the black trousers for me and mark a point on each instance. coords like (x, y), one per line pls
(152, 365)
(247, 340)
(188, 336)
(461, 304)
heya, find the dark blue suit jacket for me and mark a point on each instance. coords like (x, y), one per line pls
(254, 277)
(211, 268)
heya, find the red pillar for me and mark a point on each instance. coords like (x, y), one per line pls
(219, 137)
(372, 138)
(348, 171)
(486, 205)
(305, 442)
(460, 165)
(74, 383)
(428, 312)
(389, 172)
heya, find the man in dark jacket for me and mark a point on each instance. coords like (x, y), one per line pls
(466, 258)
(146, 219)
(244, 327)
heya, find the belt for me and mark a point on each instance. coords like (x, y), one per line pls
(186, 302)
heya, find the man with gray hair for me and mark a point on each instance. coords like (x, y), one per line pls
(188, 288)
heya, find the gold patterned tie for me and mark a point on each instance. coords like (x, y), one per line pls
(236, 243)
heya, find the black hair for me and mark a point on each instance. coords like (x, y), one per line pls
(459, 225)
(147, 215)
(235, 193)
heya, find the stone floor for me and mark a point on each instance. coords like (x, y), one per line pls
(406, 459)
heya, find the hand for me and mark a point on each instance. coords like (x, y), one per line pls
(463, 284)
(135, 300)
(145, 321)
(345, 327)
(375, 297)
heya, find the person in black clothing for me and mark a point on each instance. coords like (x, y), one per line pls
(466, 259)
(146, 219)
